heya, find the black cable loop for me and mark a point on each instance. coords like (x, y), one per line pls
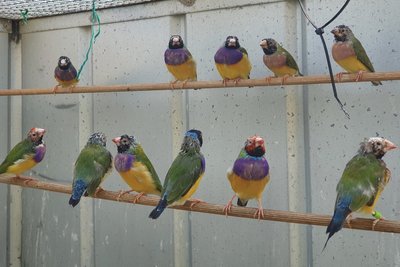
(319, 31)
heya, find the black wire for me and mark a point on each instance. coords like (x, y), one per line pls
(319, 31)
(337, 14)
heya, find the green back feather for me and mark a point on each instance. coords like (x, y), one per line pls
(363, 174)
(290, 61)
(25, 148)
(141, 156)
(242, 154)
(361, 54)
(243, 50)
(182, 175)
(92, 164)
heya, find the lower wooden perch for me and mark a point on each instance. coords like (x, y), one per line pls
(270, 215)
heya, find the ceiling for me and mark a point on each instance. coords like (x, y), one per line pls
(14, 9)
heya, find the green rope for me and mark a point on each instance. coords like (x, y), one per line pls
(95, 20)
(24, 16)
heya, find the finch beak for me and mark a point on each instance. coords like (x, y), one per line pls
(40, 131)
(175, 40)
(264, 44)
(334, 31)
(116, 140)
(259, 141)
(232, 42)
(389, 145)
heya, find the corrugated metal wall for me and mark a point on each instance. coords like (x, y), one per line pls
(309, 140)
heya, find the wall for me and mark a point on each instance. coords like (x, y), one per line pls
(308, 138)
(4, 123)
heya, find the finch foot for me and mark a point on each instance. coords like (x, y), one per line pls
(185, 82)
(359, 75)
(284, 78)
(268, 80)
(137, 197)
(235, 81)
(98, 190)
(172, 83)
(260, 211)
(194, 202)
(25, 179)
(348, 220)
(121, 193)
(339, 76)
(225, 81)
(228, 206)
(55, 88)
(71, 88)
(378, 216)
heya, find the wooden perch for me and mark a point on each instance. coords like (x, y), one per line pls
(316, 79)
(270, 215)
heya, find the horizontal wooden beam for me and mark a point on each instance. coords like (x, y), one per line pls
(303, 80)
(270, 215)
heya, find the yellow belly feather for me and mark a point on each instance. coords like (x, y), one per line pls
(22, 166)
(67, 83)
(247, 189)
(139, 179)
(352, 64)
(234, 71)
(185, 71)
(285, 70)
(191, 191)
(369, 209)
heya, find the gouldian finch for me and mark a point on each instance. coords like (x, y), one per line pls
(91, 167)
(135, 167)
(26, 154)
(349, 53)
(184, 175)
(278, 60)
(232, 61)
(361, 184)
(249, 175)
(65, 73)
(179, 61)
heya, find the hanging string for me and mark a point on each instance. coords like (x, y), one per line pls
(24, 16)
(95, 20)
(319, 31)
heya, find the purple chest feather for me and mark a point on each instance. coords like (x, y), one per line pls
(39, 153)
(176, 56)
(251, 168)
(66, 75)
(228, 56)
(203, 164)
(123, 162)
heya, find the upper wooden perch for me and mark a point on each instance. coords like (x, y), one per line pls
(317, 79)
(271, 215)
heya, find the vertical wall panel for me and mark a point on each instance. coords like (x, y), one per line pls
(4, 142)
(227, 117)
(50, 225)
(132, 52)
